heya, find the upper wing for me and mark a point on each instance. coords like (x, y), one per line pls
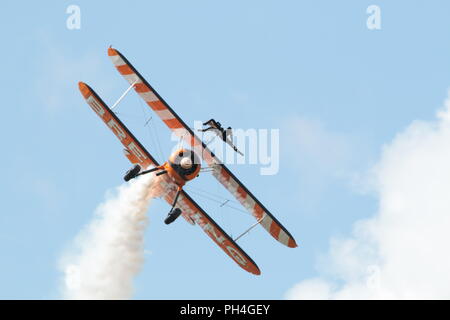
(137, 154)
(221, 173)
(214, 231)
(134, 151)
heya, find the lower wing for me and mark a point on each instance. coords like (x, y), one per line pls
(197, 215)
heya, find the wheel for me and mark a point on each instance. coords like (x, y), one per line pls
(172, 216)
(132, 173)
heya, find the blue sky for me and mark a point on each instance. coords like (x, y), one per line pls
(336, 90)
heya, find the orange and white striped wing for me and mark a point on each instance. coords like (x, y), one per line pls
(134, 151)
(198, 216)
(220, 172)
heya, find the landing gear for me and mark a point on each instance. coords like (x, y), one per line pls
(174, 212)
(172, 216)
(132, 173)
(136, 171)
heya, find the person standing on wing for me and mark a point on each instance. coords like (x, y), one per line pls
(226, 135)
(216, 126)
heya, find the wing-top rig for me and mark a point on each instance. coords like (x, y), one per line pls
(182, 166)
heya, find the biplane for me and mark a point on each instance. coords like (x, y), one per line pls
(182, 166)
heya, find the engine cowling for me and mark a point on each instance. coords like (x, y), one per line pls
(185, 163)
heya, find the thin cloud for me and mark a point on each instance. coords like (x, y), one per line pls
(318, 146)
(60, 70)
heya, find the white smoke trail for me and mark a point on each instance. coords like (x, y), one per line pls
(109, 252)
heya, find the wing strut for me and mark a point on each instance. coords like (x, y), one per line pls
(124, 94)
(249, 229)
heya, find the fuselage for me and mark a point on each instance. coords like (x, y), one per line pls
(183, 165)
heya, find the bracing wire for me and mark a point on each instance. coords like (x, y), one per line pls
(133, 117)
(214, 195)
(149, 124)
(159, 142)
(223, 202)
(149, 130)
